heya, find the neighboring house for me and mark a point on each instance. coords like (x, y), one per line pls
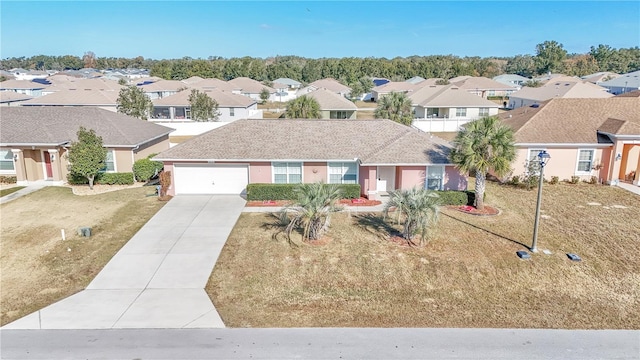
(624, 83)
(393, 86)
(329, 84)
(251, 88)
(600, 77)
(286, 89)
(333, 106)
(28, 75)
(163, 88)
(482, 86)
(415, 80)
(213, 83)
(34, 140)
(192, 80)
(10, 98)
(585, 138)
(231, 106)
(25, 87)
(106, 100)
(550, 76)
(62, 82)
(380, 155)
(445, 108)
(569, 89)
(513, 80)
(289, 83)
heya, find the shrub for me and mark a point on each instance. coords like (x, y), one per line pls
(75, 179)
(8, 179)
(593, 180)
(286, 191)
(145, 169)
(115, 178)
(554, 180)
(455, 197)
(575, 179)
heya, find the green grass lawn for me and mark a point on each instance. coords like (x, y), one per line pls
(37, 267)
(468, 275)
(4, 192)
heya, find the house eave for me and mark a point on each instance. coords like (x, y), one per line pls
(564, 145)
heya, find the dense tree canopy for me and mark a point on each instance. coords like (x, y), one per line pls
(87, 156)
(203, 107)
(134, 102)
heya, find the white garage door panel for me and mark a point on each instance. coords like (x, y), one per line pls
(210, 179)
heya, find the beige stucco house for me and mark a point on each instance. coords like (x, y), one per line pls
(585, 137)
(34, 140)
(333, 105)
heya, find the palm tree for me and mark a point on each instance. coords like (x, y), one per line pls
(395, 106)
(304, 107)
(417, 207)
(481, 146)
(312, 211)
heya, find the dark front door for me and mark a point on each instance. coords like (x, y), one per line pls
(47, 164)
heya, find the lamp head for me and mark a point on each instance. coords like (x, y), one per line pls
(543, 157)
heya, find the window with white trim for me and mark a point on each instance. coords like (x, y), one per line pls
(435, 178)
(110, 162)
(337, 114)
(6, 160)
(483, 111)
(232, 112)
(287, 173)
(585, 161)
(532, 165)
(343, 173)
(461, 112)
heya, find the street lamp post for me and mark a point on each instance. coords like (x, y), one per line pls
(543, 159)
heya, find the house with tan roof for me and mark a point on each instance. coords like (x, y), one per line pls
(585, 138)
(10, 98)
(623, 83)
(70, 83)
(514, 80)
(482, 86)
(571, 88)
(26, 87)
(231, 106)
(445, 108)
(394, 86)
(600, 77)
(163, 88)
(329, 84)
(106, 100)
(34, 141)
(334, 106)
(213, 83)
(251, 88)
(380, 155)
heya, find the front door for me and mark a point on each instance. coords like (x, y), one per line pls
(47, 164)
(386, 178)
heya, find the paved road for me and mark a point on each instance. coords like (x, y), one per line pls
(320, 344)
(157, 279)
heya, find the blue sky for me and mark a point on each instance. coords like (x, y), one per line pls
(172, 29)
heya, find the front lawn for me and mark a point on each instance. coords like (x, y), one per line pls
(37, 267)
(11, 190)
(468, 275)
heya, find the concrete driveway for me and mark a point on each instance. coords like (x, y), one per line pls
(157, 279)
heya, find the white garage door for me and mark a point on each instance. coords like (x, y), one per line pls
(210, 179)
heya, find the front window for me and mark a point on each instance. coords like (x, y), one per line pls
(6, 160)
(110, 163)
(287, 173)
(435, 178)
(343, 173)
(338, 114)
(461, 112)
(180, 113)
(585, 161)
(483, 112)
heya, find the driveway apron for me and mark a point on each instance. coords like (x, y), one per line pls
(157, 279)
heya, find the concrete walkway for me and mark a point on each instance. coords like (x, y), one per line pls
(629, 187)
(157, 279)
(22, 192)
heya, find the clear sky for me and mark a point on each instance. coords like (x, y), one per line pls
(199, 29)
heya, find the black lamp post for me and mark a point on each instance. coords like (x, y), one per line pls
(543, 159)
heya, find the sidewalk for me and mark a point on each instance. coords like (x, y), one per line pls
(22, 192)
(629, 187)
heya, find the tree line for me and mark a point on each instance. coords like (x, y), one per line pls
(550, 56)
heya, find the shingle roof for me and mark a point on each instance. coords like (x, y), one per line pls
(71, 83)
(21, 84)
(213, 83)
(287, 81)
(562, 89)
(249, 85)
(58, 125)
(397, 86)
(223, 98)
(328, 100)
(10, 96)
(447, 96)
(164, 85)
(77, 98)
(630, 80)
(331, 84)
(481, 83)
(574, 121)
(371, 141)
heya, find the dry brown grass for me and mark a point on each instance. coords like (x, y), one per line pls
(365, 104)
(37, 267)
(467, 276)
(364, 115)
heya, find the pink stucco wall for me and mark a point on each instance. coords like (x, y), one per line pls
(563, 163)
(168, 166)
(453, 179)
(260, 172)
(367, 179)
(410, 176)
(314, 172)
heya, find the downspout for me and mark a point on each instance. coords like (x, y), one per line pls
(133, 162)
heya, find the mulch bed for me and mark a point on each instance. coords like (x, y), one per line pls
(487, 211)
(281, 203)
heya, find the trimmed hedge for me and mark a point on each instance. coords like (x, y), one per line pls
(145, 169)
(8, 179)
(286, 191)
(102, 178)
(457, 197)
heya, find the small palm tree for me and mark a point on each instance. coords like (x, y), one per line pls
(418, 208)
(481, 146)
(395, 106)
(312, 211)
(304, 107)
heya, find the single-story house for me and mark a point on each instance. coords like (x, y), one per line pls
(106, 100)
(599, 77)
(231, 106)
(25, 87)
(334, 106)
(289, 83)
(482, 86)
(329, 84)
(380, 155)
(514, 80)
(585, 138)
(624, 83)
(34, 140)
(213, 83)
(394, 86)
(568, 88)
(251, 88)
(10, 98)
(445, 108)
(163, 88)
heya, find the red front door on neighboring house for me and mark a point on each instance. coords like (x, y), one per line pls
(47, 164)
